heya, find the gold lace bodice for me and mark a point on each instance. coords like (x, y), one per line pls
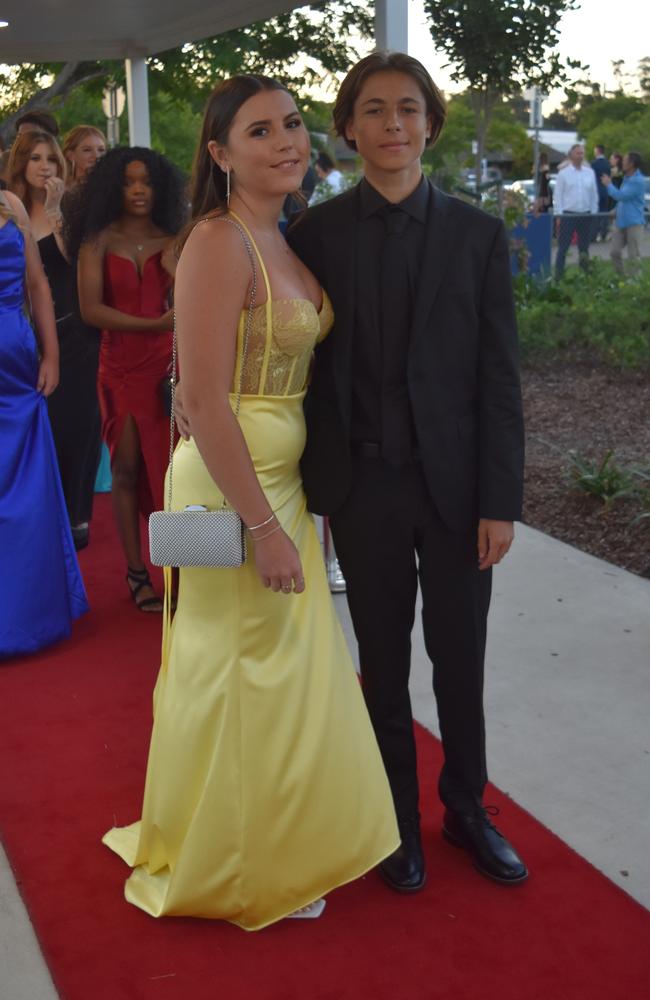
(277, 362)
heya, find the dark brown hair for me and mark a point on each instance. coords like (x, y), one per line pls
(208, 183)
(19, 158)
(391, 62)
(38, 118)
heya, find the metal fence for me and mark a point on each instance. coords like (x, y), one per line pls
(547, 242)
(598, 235)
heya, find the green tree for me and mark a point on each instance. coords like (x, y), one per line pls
(453, 151)
(580, 94)
(175, 128)
(507, 135)
(558, 118)
(298, 47)
(644, 77)
(604, 110)
(619, 122)
(497, 46)
(622, 134)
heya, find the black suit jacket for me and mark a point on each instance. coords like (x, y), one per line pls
(601, 166)
(463, 373)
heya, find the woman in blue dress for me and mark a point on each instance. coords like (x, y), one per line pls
(41, 590)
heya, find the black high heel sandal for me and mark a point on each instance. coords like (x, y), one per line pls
(141, 578)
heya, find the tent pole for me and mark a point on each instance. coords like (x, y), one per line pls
(391, 25)
(137, 90)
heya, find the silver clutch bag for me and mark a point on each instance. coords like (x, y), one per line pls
(196, 536)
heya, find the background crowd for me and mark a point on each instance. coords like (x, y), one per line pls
(589, 199)
(105, 223)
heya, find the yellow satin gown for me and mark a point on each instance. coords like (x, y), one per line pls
(265, 788)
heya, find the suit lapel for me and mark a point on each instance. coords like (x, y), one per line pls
(435, 259)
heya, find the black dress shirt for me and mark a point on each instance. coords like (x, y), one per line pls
(382, 330)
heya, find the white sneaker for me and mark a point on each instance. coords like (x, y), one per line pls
(335, 577)
(308, 912)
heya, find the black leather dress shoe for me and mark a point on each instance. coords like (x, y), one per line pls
(491, 853)
(404, 869)
(80, 536)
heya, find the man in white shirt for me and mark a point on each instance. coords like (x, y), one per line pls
(575, 198)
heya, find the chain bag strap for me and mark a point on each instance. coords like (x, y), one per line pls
(196, 536)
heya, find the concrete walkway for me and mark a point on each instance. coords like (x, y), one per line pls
(568, 721)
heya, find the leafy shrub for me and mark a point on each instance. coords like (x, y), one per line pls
(609, 481)
(596, 312)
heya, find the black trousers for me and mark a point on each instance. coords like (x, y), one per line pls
(387, 536)
(580, 223)
(74, 415)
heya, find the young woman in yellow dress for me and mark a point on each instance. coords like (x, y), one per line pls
(265, 788)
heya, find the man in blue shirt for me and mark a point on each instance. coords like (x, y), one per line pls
(629, 212)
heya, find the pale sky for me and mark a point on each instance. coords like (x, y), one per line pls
(596, 33)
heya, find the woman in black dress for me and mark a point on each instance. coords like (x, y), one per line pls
(37, 175)
(616, 173)
(544, 199)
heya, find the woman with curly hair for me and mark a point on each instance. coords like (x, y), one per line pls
(121, 224)
(37, 173)
(82, 146)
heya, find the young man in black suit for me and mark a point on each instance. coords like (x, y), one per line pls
(415, 439)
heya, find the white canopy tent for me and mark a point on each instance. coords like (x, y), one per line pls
(52, 30)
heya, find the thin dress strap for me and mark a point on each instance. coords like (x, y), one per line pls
(269, 309)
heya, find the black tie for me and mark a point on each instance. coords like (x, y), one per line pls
(396, 435)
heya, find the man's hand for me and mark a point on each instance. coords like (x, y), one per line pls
(605, 180)
(494, 540)
(182, 422)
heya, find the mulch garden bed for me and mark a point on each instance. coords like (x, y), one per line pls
(587, 409)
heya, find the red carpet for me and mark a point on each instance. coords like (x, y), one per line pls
(74, 728)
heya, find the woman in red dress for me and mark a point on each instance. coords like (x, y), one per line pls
(122, 225)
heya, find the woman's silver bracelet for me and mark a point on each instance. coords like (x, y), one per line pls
(262, 524)
(268, 533)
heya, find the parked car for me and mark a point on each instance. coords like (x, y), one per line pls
(491, 176)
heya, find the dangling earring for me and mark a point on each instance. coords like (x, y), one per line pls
(228, 186)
